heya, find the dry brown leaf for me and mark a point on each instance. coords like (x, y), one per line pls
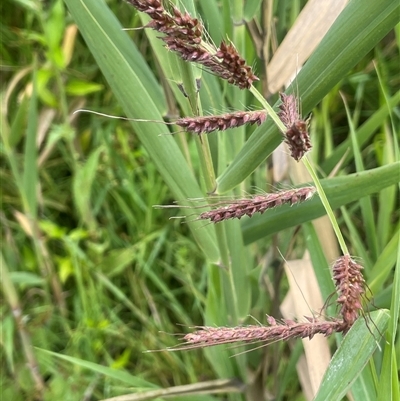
(305, 298)
(24, 223)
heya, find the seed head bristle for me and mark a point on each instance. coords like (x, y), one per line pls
(207, 124)
(350, 286)
(258, 204)
(296, 135)
(183, 34)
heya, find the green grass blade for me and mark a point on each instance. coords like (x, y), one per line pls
(114, 374)
(251, 9)
(213, 18)
(241, 267)
(82, 187)
(364, 388)
(320, 265)
(19, 123)
(330, 62)
(384, 264)
(353, 354)
(359, 247)
(363, 134)
(365, 203)
(30, 169)
(388, 388)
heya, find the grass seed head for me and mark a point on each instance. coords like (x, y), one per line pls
(350, 286)
(258, 204)
(183, 34)
(296, 135)
(209, 336)
(207, 124)
(240, 73)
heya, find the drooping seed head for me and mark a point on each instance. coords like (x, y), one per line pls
(240, 73)
(183, 34)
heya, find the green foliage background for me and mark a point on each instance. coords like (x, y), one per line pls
(93, 275)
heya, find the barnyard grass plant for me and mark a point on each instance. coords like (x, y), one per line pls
(93, 276)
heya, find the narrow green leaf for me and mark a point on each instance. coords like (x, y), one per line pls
(251, 9)
(116, 261)
(363, 133)
(384, 264)
(26, 279)
(353, 354)
(241, 267)
(19, 122)
(320, 265)
(365, 203)
(214, 21)
(119, 375)
(364, 388)
(82, 187)
(358, 241)
(7, 342)
(81, 88)
(54, 27)
(30, 169)
(388, 388)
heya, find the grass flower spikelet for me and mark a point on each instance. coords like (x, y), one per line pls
(350, 286)
(258, 204)
(207, 124)
(296, 135)
(183, 34)
(209, 336)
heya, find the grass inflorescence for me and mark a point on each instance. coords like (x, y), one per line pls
(258, 204)
(296, 135)
(347, 274)
(184, 35)
(207, 124)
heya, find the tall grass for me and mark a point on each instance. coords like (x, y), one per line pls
(93, 276)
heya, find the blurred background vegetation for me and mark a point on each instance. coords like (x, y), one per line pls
(90, 270)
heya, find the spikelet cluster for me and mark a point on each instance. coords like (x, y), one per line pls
(207, 124)
(176, 24)
(183, 35)
(350, 286)
(258, 204)
(296, 135)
